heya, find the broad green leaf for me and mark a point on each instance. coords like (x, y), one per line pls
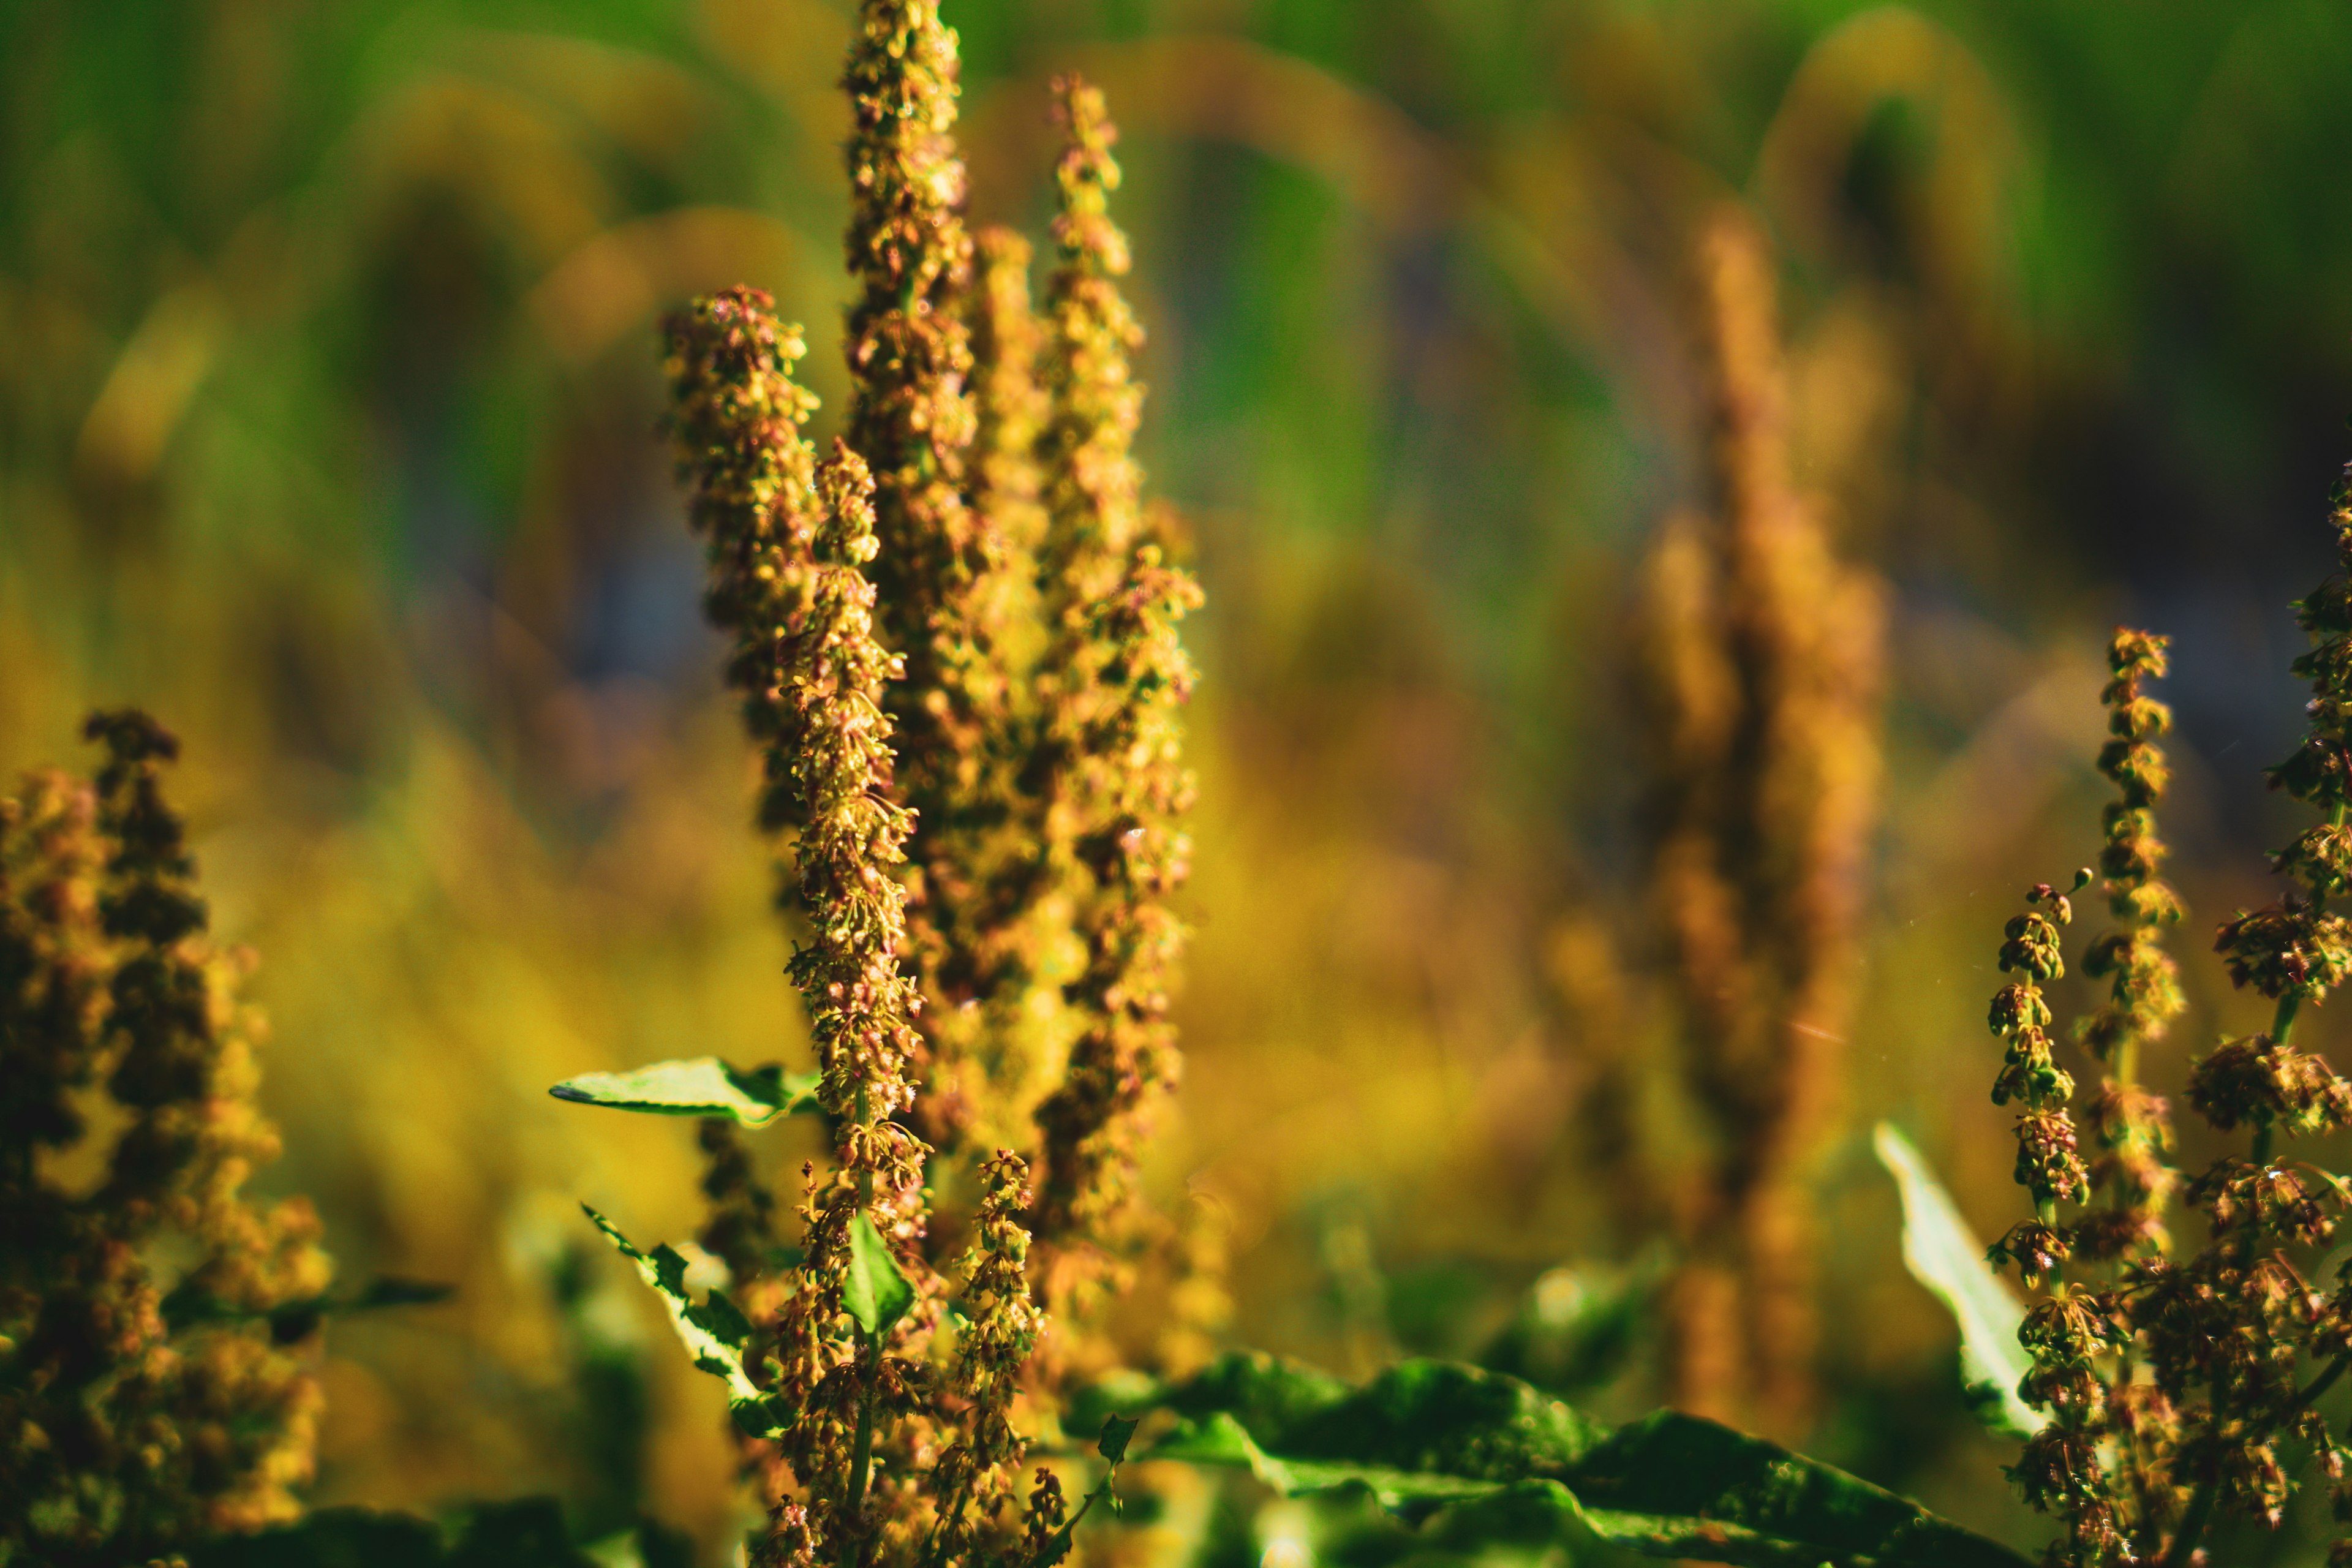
(1490, 1460)
(704, 1086)
(1117, 1431)
(528, 1532)
(1428, 1419)
(1671, 1485)
(189, 1304)
(713, 1333)
(875, 1293)
(1946, 1257)
(1578, 1325)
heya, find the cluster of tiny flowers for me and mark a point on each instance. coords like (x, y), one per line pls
(2237, 1323)
(974, 1477)
(957, 594)
(734, 421)
(993, 941)
(121, 1439)
(2182, 1387)
(2130, 1125)
(983, 819)
(1117, 677)
(2102, 1461)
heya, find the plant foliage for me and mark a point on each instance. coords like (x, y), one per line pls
(1500, 1458)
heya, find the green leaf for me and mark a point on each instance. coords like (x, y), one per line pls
(331, 1538)
(1946, 1257)
(1671, 1485)
(1489, 1460)
(1117, 1432)
(1577, 1326)
(188, 1304)
(1456, 1425)
(875, 1292)
(704, 1086)
(713, 1333)
(528, 1532)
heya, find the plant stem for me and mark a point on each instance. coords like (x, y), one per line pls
(862, 1456)
(2282, 1023)
(2323, 1381)
(2192, 1525)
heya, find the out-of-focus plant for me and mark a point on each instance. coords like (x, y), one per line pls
(155, 1382)
(1761, 669)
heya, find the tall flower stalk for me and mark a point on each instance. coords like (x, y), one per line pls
(1002, 944)
(881, 1459)
(861, 1016)
(2182, 1388)
(1763, 663)
(955, 567)
(955, 644)
(1115, 677)
(139, 1413)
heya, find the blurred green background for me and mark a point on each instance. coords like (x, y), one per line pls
(327, 404)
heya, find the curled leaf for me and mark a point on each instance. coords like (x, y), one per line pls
(1117, 1431)
(713, 1331)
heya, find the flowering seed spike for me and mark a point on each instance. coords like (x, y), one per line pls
(985, 933)
(1761, 654)
(134, 1423)
(1117, 677)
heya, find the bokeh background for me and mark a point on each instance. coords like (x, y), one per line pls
(326, 405)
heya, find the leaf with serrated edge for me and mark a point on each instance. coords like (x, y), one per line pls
(1487, 1458)
(1945, 1256)
(1117, 1432)
(701, 1085)
(713, 1333)
(873, 1291)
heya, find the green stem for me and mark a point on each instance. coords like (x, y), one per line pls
(2192, 1525)
(2323, 1381)
(861, 1460)
(2283, 1022)
(1059, 1546)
